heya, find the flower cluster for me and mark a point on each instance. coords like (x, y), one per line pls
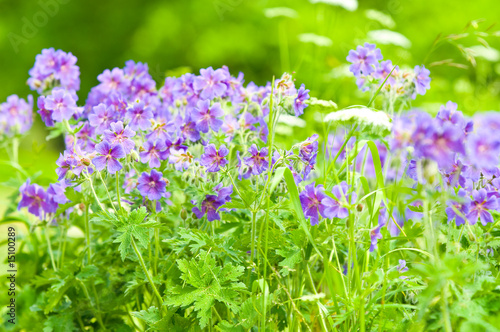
(370, 72)
(133, 130)
(16, 115)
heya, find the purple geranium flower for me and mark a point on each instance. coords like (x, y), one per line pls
(213, 159)
(212, 203)
(480, 206)
(364, 59)
(210, 83)
(35, 199)
(311, 199)
(258, 162)
(462, 207)
(422, 80)
(152, 185)
(140, 116)
(483, 149)
(62, 104)
(120, 135)
(108, 156)
(206, 116)
(154, 151)
(299, 103)
(45, 114)
(335, 208)
(101, 117)
(375, 235)
(180, 157)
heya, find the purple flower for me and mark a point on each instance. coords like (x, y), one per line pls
(212, 203)
(299, 102)
(311, 199)
(364, 59)
(140, 116)
(62, 104)
(258, 162)
(101, 117)
(120, 135)
(180, 157)
(152, 185)
(36, 200)
(402, 266)
(462, 207)
(114, 80)
(213, 159)
(335, 208)
(210, 83)
(154, 151)
(206, 116)
(16, 114)
(483, 149)
(109, 155)
(45, 114)
(188, 128)
(444, 143)
(308, 149)
(383, 70)
(422, 80)
(449, 113)
(57, 192)
(230, 126)
(375, 235)
(480, 206)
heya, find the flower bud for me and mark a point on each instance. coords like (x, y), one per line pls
(69, 175)
(134, 155)
(85, 161)
(184, 214)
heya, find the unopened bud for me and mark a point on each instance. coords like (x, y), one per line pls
(359, 207)
(86, 161)
(134, 155)
(69, 175)
(184, 214)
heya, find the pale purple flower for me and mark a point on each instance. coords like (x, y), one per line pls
(206, 116)
(483, 149)
(210, 83)
(62, 104)
(311, 199)
(299, 103)
(212, 159)
(152, 185)
(57, 192)
(120, 135)
(336, 208)
(462, 206)
(258, 160)
(101, 117)
(154, 151)
(364, 59)
(375, 235)
(480, 206)
(16, 114)
(113, 80)
(45, 114)
(139, 116)
(422, 80)
(108, 156)
(180, 157)
(36, 200)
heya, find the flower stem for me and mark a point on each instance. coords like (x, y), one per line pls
(49, 246)
(146, 272)
(118, 191)
(87, 234)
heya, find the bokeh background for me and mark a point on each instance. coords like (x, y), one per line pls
(260, 38)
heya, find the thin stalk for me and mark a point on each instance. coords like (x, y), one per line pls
(118, 191)
(49, 246)
(311, 281)
(107, 191)
(87, 234)
(146, 272)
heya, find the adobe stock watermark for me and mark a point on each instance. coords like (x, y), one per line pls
(31, 25)
(224, 6)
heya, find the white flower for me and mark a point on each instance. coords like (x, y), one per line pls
(280, 12)
(368, 120)
(389, 37)
(315, 39)
(487, 53)
(292, 121)
(380, 17)
(350, 5)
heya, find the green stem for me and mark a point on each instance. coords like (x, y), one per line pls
(87, 234)
(146, 272)
(107, 191)
(118, 191)
(49, 246)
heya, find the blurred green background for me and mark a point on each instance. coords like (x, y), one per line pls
(260, 38)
